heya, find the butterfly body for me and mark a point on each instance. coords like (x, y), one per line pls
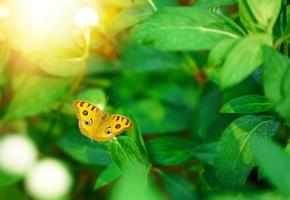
(98, 125)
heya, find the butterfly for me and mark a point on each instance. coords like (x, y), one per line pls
(98, 125)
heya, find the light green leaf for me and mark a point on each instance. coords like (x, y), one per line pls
(205, 153)
(84, 150)
(94, 95)
(234, 157)
(259, 15)
(244, 58)
(126, 155)
(182, 29)
(169, 151)
(62, 67)
(248, 104)
(274, 162)
(110, 174)
(34, 95)
(276, 81)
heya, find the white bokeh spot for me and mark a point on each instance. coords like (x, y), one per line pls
(48, 179)
(17, 154)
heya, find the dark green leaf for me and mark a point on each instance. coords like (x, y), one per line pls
(185, 30)
(244, 58)
(234, 158)
(205, 153)
(247, 105)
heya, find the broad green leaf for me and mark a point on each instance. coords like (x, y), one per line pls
(207, 4)
(84, 150)
(126, 155)
(259, 15)
(34, 95)
(234, 158)
(182, 29)
(94, 95)
(169, 151)
(110, 174)
(244, 58)
(276, 81)
(274, 162)
(12, 192)
(177, 186)
(248, 104)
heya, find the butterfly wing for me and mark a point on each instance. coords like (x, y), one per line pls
(89, 116)
(112, 126)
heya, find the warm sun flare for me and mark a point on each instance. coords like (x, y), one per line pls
(36, 24)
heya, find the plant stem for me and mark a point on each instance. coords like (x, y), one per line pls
(153, 6)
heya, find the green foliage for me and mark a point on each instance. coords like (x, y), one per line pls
(184, 26)
(84, 150)
(234, 158)
(206, 84)
(276, 168)
(248, 104)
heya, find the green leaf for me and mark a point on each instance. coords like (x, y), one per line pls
(94, 95)
(169, 151)
(217, 57)
(276, 81)
(177, 186)
(234, 157)
(34, 95)
(205, 153)
(248, 104)
(131, 16)
(125, 154)
(84, 150)
(259, 15)
(178, 29)
(110, 174)
(244, 58)
(207, 4)
(274, 162)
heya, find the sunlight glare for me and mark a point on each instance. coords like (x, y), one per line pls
(87, 17)
(4, 12)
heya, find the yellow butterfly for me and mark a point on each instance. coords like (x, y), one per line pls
(98, 125)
